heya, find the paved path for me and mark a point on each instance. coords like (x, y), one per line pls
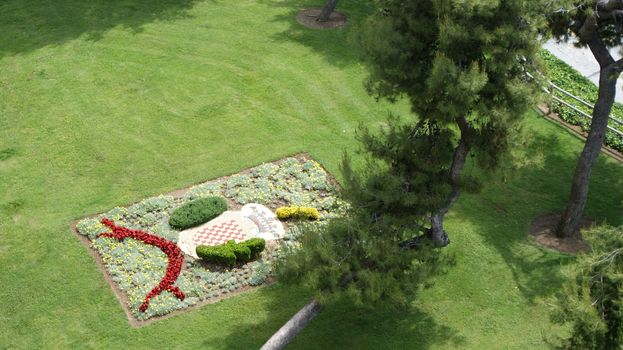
(583, 61)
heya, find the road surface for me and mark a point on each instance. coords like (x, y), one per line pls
(583, 61)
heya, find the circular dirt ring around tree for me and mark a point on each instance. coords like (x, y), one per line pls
(543, 227)
(308, 18)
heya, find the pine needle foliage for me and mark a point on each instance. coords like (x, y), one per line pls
(359, 259)
(592, 301)
(459, 65)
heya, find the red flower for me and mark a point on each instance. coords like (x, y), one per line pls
(169, 248)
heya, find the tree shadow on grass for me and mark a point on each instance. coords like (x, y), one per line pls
(30, 25)
(340, 326)
(336, 44)
(534, 190)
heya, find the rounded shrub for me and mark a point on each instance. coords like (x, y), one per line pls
(197, 212)
(255, 245)
(308, 213)
(220, 254)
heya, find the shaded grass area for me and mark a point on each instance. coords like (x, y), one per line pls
(496, 294)
(31, 25)
(108, 102)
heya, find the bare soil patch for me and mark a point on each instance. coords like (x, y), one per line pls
(308, 18)
(543, 229)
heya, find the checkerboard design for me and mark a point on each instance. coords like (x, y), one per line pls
(220, 233)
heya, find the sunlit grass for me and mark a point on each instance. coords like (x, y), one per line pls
(103, 103)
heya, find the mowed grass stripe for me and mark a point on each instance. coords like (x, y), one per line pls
(134, 98)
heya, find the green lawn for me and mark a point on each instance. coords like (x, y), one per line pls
(103, 103)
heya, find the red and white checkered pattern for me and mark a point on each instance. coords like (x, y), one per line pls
(219, 233)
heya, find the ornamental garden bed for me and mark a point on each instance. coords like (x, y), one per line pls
(149, 263)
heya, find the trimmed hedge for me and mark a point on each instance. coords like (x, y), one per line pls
(231, 252)
(197, 212)
(241, 251)
(285, 213)
(255, 245)
(572, 81)
(219, 254)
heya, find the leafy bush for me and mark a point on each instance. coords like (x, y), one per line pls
(231, 252)
(219, 254)
(197, 212)
(285, 213)
(255, 245)
(591, 302)
(242, 252)
(575, 83)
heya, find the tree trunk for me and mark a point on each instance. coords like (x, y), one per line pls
(437, 233)
(327, 10)
(570, 221)
(293, 327)
(569, 224)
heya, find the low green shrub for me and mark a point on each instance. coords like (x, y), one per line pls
(197, 212)
(285, 213)
(231, 252)
(255, 245)
(563, 75)
(220, 254)
(242, 252)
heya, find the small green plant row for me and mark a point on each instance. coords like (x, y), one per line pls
(231, 252)
(563, 75)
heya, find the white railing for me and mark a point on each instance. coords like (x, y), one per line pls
(552, 88)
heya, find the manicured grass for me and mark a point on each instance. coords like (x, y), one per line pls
(104, 103)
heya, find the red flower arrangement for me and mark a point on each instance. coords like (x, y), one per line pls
(169, 248)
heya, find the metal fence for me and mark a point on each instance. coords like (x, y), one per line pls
(552, 89)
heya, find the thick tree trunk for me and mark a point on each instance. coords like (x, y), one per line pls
(327, 10)
(437, 232)
(569, 224)
(293, 327)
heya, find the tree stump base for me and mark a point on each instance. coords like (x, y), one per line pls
(543, 229)
(308, 18)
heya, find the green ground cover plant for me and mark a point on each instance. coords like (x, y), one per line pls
(575, 83)
(184, 91)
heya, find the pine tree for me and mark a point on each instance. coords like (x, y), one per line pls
(358, 256)
(458, 64)
(598, 25)
(592, 300)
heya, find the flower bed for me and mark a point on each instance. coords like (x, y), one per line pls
(140, 269)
